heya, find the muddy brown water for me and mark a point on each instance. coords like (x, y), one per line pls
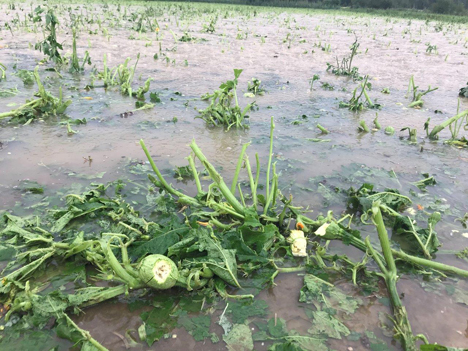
(391, 50)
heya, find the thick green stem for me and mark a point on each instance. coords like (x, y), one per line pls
(166, 185)
(86, 335)
(216, 177)
(16, 111)
(334, 233)
(253, 189)
(430, 264)
(195, 174)
(118, 269)
(401, 322)
(322, 129)
(239, 165)
(271, 198)
(241, 195)
(440, 127)
(257, 173)
(270, 155)
(383, 237)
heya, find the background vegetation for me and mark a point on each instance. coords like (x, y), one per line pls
(448, 7)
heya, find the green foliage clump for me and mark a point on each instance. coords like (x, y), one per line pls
(222, 111)
(464, 91)
(49, 46)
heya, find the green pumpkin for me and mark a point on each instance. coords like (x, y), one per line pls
(158, 272)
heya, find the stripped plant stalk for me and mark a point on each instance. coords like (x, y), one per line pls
(270, 155)
(238, 168)
(376, 122)
(271, 197)
(402, 327)
(241, 195)
(85, 334)
(417, 97)
(191, 160)
(2, 72)
(216, 177)
(323, 129)
(334, 232)
(430, 264)
(437, 129)
(454, 127)
(253, 188)
(182, 197)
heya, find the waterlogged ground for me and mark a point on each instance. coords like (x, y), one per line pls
(282, 48)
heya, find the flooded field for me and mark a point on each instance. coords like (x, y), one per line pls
(187, 51)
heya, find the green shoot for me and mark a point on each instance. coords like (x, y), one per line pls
(345, 67)
(2, 72)
(312, 80)
(75, 66)
(417, 101)
(355, 104)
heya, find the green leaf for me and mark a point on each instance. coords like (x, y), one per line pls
(307, 343)
(221, 261)
(361, 200)
(415, 239)
(241, 311)
(237, 73)
(159, 320)
(260, 239)
(460, 296)
(325, 324)
(277, 328)
(428, 180)
(285, 346)
(244, 253)
(239, 338)
(158, 245)
(198, 327)
(28, 340)
(7, 252)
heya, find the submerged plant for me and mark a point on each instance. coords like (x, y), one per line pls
(312, 80)
(389, 130)
(210, 27)
(255, 87)
(74, 61)
(431, 49)
(2, 72)
(226, 230)
(355, 103)
(221, 110)
(49, 46)
(122, 76)
(464, 91)
(125, 76)
(46, 104)
(140, 93)
(412, 132)
(417, 96)
(345, 67)
(387, 266)
(363, 127)
(437, 129)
